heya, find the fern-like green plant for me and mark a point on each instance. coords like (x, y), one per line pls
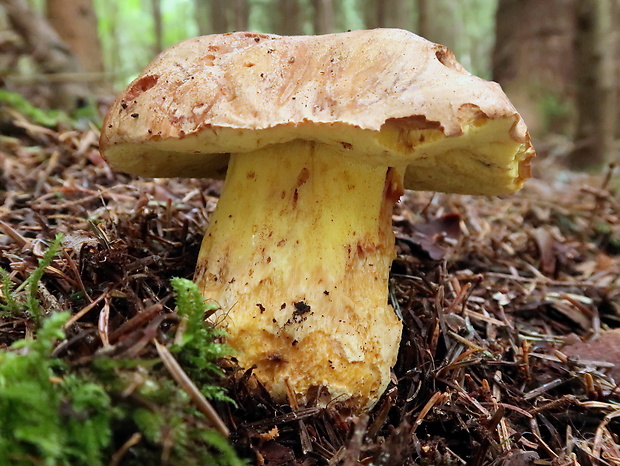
(14, 303)
(199, 350)
(53, 414)
(200, 345)
(9, 306)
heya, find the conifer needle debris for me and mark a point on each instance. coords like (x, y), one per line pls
(558, 408)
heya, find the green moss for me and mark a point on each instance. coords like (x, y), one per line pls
(54, 414)
(41, 117)
(199, 348)
(80, 118)
(49, 418)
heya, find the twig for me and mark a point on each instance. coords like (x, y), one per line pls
(284, 418)
(13, 234)
(541, 280)
(118, 455)
(82, 312)
(543, 388)
(433, 400)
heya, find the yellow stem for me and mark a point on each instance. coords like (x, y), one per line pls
(298, 254)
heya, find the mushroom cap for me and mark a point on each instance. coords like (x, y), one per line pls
(386, 96)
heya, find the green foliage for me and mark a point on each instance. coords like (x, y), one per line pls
(199, 347)
(52, 415)
(39, 116)
(557, 112)
(466, 26)
(126, 48)
(226, 454)
(48, 419)
(194, 441)
(14, 303)
(167, 420)
(158, 408)
(10, 305)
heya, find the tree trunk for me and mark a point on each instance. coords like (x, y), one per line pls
(202, 12)
(596, 74)
(397, 14)
(374, 13)
(424, 25)
(12, 47)
(114, 64)
(158, 31)
(380, 12)
(323, 16)
(49, 52)
(387, 13)
(533, 60)
(75, 22)
(241, 13)
(219, 22)
(288, 20)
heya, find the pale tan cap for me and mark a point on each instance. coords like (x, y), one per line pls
(384, 95)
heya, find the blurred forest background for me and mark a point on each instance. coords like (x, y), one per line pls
(500, 297)
(558, 60)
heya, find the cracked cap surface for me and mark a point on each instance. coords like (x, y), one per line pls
(385, 95)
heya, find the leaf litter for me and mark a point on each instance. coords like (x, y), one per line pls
(511, 308)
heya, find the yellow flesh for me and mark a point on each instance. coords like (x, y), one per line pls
(303, 223)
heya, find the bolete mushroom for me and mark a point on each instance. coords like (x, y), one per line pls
(320, 135)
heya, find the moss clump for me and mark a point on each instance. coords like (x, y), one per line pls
(49, 417)
(199, 348)
(41, 117)
(56, 414)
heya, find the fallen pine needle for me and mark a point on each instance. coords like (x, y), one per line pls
(135, 439)
(78, 315)
(433, 400)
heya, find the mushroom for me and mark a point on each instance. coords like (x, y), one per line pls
(320, 135)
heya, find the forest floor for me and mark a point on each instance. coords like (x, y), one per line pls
(511, 310)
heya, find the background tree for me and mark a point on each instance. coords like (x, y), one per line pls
(556, 59)
(49, 53)
(240, 14)
(288, 21)
(423, 23)
(202, 15)
(219, 16)
(158, 26)
(76, 24)
(596, 84)
(389, 14)
(225, 15)
(533, 60)
(323, 16)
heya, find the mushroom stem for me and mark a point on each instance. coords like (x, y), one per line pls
(298, 254)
